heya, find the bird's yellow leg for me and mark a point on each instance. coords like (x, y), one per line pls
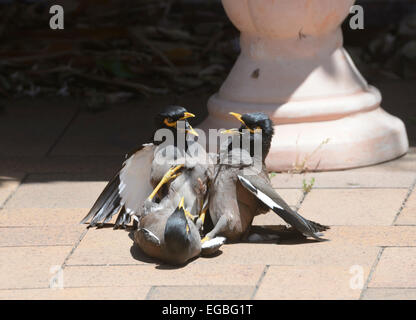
(175, 176)
(202, 217)
(206, 238)
(166, 178)
(203, 214)
(189, 215)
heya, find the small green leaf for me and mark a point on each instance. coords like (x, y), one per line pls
(307, 187)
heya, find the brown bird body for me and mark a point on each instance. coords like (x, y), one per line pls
(152, 240)
(232, 207)
(169, 232)
(241, 188)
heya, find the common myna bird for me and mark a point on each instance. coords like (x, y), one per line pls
(171, 232)
(241, 188)
(141, 171)
(168, 232)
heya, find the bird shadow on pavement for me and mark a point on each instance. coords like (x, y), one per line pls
(270, 234)
(137, 253)
(109, 226)
(277, 234)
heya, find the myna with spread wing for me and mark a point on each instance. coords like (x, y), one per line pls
(129, 188)
(241, 188)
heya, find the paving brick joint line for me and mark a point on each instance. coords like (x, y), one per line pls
(64, 131)
(409, 193)
(258, 284)
(301, 200)
(150, 292)
(84, 233)
(370, 275)
(13, 192)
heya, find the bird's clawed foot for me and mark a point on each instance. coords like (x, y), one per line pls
(187, 213)
(206, 238)
(170, 175)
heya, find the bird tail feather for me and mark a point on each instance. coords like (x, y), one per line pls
(317, 227)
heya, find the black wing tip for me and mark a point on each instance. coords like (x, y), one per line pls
(91, 224)
(318, 227)
(107, 204)
(85, 221)
(318, 238)
(123, 219)
(88, 217)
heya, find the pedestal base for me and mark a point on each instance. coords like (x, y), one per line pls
(358, 140)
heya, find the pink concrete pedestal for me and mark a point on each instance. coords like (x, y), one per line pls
(293, 67)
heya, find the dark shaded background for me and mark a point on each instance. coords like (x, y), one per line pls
(112, 51)
(93, 88)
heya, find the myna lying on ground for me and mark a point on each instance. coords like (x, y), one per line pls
(171, 232)
(142, 170)
(241, 188)
(168, 232)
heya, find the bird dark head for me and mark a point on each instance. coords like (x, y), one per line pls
(177, 231)
(169, 118)
(257, 123)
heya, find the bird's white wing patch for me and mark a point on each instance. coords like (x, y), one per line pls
(217, 241)
(293, 218)
(149, 236)
(259, 194)
(135, 184)
(212, 246)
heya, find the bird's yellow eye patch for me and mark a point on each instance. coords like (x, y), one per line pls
(169, 122)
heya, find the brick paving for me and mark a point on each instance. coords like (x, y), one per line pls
(55, 159)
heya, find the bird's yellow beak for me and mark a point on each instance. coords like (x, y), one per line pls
(187, 115)
(238, 117)
(181, 203)
(192, 131)
(230, 131)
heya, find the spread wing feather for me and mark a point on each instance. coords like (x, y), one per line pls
(135, 185)
(126, 191)
(266, 194)
(102, 207)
